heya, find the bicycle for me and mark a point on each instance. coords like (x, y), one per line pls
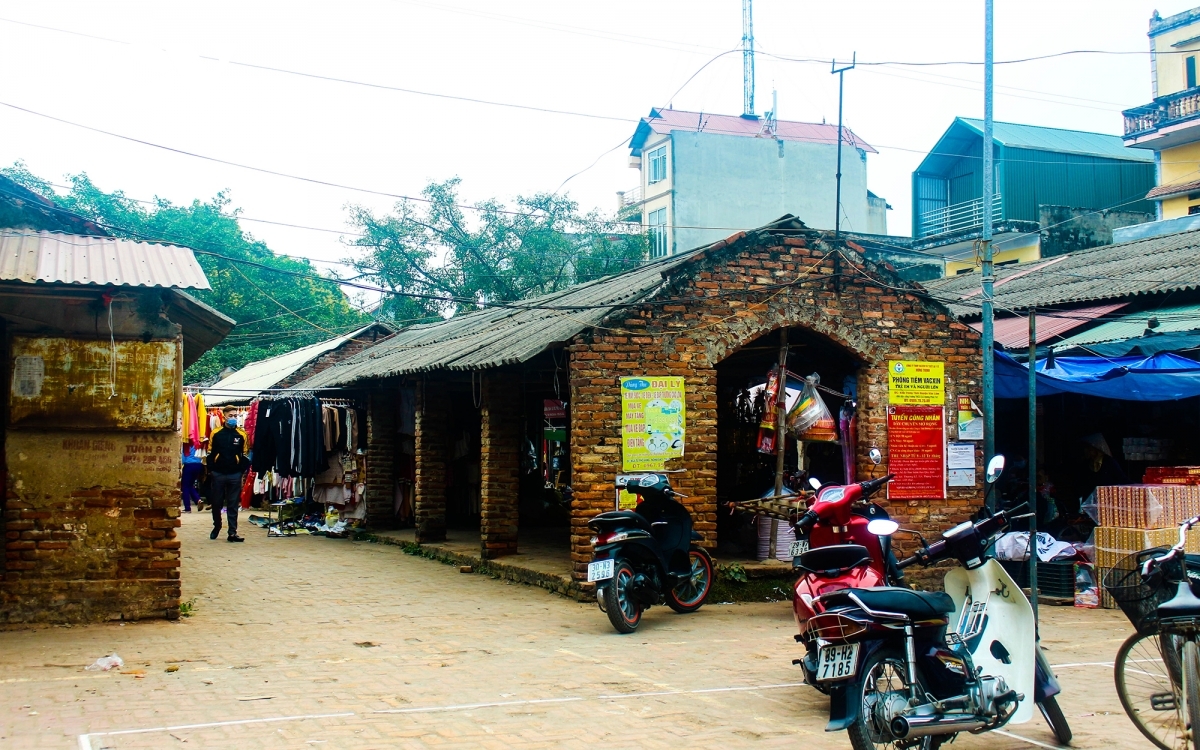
(1157, 669)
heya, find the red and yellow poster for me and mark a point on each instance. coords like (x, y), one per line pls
(917, 452)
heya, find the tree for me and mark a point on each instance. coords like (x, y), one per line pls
(276, 312)
(450, 263)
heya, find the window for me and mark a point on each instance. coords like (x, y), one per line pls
(658, 164)
(1189, 70)
(1193, 210)
(658, 232)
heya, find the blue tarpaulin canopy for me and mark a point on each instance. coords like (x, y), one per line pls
(1161, 377)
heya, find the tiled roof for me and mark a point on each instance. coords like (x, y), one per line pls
(1167, 191)
(666, 120)
(1150, 266)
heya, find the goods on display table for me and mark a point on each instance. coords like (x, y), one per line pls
(1172, 475)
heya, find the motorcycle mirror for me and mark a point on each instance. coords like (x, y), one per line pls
(995, 468)
(814, 483)
(883, 527)
(875, 456)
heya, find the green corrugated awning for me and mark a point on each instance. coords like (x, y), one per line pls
(1145, 332)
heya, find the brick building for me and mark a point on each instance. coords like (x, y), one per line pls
(480, 383)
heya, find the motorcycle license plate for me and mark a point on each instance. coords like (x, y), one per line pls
(601, 570)
(799, 547)
(837, 662)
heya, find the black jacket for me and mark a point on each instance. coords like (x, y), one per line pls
(227, 451)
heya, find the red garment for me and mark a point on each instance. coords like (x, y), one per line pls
(247, 490)
(251, 422)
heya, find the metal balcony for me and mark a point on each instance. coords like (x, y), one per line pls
(1162, 112)
(629, 204)
(959, 217)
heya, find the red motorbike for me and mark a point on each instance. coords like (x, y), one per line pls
(842, 552)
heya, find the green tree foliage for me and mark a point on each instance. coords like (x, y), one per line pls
(276, 312)
(460, 260)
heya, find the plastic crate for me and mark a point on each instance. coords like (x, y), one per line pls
(1056, 579)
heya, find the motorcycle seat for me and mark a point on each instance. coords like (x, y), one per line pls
(614, 518)
(833, 559)
(918, 605)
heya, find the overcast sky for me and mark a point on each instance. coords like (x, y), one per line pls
(178, 74)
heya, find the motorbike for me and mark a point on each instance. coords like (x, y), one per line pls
(836, 549)
(648, 555)
(912, 669)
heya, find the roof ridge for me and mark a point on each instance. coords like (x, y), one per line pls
(1039, 127)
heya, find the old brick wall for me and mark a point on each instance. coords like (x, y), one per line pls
(501, 425)
(723, 306)
(381, 457)
(90, 527)
(432, 443)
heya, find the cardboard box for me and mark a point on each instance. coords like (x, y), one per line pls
(1147, 506)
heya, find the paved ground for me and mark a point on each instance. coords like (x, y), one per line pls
(312, 642)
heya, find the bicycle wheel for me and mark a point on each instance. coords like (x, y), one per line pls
(1149, 695)
(1191, 689)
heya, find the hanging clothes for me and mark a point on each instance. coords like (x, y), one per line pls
(251, 422)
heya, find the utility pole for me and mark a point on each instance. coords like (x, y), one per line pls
(1033, 492)
(747, 58)
(988, 272)
(841, 74)
(780, 439)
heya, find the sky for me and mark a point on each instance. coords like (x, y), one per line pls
(559, 88)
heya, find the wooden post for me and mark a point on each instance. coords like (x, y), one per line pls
(780, 437)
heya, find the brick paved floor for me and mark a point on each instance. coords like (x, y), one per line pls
(346, 644)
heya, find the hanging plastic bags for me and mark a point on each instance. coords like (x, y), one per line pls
(809, 418)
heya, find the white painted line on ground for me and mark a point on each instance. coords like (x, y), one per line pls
(1108, 664)
(85, 740)
(1026, 739)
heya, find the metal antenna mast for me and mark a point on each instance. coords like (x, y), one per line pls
(748, 58)
(837, 207)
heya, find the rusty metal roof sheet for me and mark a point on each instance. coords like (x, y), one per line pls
(53, 257)
(509, 335)
(1153, 265)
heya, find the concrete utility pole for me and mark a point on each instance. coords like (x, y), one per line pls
(1033, 558)
(988, 343)
(748, 58)
(837, 207)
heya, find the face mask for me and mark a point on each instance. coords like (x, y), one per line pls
(231, 423)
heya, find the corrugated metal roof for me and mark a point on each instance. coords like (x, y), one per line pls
(665, 120)
(1058, 139)
(1149, 266)
(256, 377)
(53, 257)
(1180, 319)
(1013, 333)
(509, 335)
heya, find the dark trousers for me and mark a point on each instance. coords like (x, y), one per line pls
(191, 475)
(226, 489)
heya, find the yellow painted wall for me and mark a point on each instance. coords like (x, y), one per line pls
(1180, 165)
(1022, 254)
(1169, 62)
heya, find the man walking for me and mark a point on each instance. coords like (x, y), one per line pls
(227, 463)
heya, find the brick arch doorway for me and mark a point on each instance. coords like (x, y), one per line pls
(743, 472)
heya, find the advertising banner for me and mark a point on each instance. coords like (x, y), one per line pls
(652, 422)
(917, 452)
(916, 383)
(970, 420)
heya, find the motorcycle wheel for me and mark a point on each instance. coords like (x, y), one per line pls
(622, 609)
(884, 673)
(690, 594)
(1053, 715)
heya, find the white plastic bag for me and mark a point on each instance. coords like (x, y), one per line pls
(105, 663)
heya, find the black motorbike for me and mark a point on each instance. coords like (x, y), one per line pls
(647, 555)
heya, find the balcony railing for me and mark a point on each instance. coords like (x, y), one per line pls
(1163, 111)
(959, 217)
(630, 197)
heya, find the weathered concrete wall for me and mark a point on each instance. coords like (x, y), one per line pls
(1066, 229)
(865, 317)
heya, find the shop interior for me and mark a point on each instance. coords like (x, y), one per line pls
(1087, 441)
(743, 472)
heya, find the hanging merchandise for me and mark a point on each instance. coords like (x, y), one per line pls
(810, 419)
(766, 429)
